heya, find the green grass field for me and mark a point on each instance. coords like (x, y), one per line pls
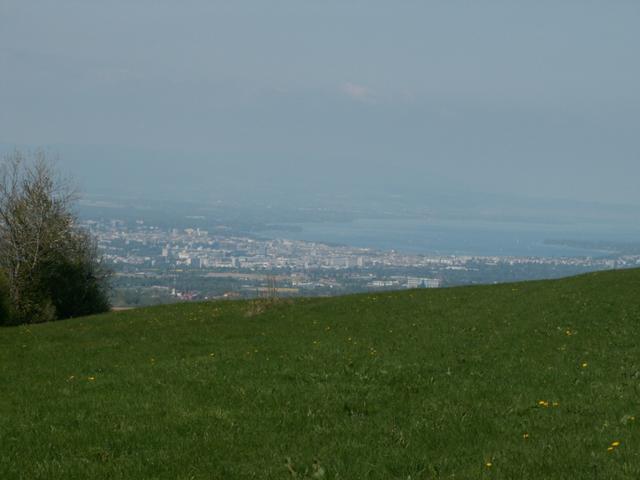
(529, 380)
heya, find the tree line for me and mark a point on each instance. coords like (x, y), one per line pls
(50, 267)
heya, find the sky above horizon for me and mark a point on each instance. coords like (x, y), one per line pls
(517, 98)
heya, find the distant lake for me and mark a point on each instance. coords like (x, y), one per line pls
(479, 238)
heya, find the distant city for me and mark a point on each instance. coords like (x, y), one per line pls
(154, 264)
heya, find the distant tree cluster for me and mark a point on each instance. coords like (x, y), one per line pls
(49, 267)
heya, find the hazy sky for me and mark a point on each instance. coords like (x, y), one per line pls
(539, 98)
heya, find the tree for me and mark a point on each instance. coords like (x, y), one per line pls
(52, 265)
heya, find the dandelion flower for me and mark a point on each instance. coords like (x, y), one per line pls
(615, 444)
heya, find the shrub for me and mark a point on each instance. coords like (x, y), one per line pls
(76, 281)
(55, 267)
(5, 305)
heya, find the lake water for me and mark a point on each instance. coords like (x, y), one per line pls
(461, 238)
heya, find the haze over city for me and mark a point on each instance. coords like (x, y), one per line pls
(210, 100)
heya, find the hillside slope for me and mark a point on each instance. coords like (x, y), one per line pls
(529, 380)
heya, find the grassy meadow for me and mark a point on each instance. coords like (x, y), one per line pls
(529, 380)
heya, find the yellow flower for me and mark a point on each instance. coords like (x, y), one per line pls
(91, 379)
(610, 449)
(489, 464)
(584, 365)
(615, 444)
(525, 435)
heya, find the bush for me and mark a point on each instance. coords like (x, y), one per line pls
(5, 305)
(75, 282)
(57, 266)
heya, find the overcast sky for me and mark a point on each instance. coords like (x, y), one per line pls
(539, 98)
